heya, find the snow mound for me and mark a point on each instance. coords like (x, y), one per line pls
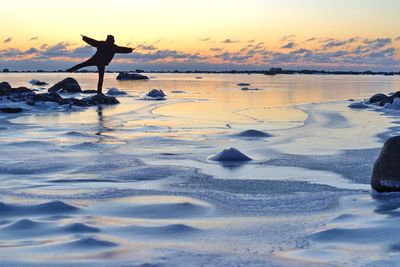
(394, 105)
(231, 154)
(253, 133)
(358, 105)
(115, 91)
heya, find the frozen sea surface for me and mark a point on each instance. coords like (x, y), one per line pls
(133, 184)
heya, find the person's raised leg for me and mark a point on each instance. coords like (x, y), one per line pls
(101, 69)
(87, 63)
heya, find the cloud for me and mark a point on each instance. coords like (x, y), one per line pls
(34, 38)
(147, 47)
(311, 39)
(204, 39)
(378, 43)
(351, 53)
(287, 37)
(289, 45)
(331, 43)
(7, 40)
(230, 41)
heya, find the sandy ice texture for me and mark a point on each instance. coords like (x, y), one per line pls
(133, 185)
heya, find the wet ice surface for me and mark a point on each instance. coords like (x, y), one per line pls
(134, 183)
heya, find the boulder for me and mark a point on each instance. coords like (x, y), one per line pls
(386, 171)
(68, 85)
(5, 85)
(101, 99)
(11, 110)
(49, 97)
(20, 90)
(5, 88)
(377, 98)
(123, 76)
(156, 94)
(389, 99)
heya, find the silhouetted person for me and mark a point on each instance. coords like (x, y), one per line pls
(104, 54)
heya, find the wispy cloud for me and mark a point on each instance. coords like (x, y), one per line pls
(204, 39)
(289, 37)
(34, 38)
(230, 41)
(289, 45)
(7, 40)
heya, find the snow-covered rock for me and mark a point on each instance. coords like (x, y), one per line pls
(394, 105)
(358, 105)
(116, 91)
(156, 94)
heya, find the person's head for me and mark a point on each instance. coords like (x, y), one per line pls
(110, 39)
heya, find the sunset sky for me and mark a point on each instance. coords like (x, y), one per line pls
(204, 35)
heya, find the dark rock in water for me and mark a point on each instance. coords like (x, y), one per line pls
(5, 88)
(50, 97)
(386, 172)
(89, 92)
(68, 85)
(76, 102)
(11, 110)
(20, 90)
(156, 94)
(377, 98)
(131, 76)
(5, 85)
(101, 99)
(253, 133)
(389, 99)
(250, 89)
(37, 83)
(230, 155)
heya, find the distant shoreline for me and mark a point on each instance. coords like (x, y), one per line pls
(270, 72)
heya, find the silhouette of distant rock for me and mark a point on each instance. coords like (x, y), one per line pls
(131, 76)
(230, 155)
(68, 85)
(11, 110)
(37, 83)
(253, 133)
(386, 172)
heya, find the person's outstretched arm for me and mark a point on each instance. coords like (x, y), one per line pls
(91, 41)
(123, 50)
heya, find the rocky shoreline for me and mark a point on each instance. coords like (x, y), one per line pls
(66, 86)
